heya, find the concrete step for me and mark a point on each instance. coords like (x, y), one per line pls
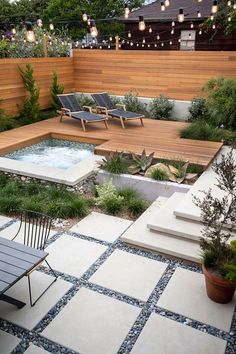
(165, 221)
(187, 209)
(139, 235)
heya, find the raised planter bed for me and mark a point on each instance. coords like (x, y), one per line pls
(148, 188)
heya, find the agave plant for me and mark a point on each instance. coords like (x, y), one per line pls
(140, 162)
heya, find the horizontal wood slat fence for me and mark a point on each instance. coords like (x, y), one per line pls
(179, 75)
(12, 90)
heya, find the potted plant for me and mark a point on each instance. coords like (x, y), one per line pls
(219, 218)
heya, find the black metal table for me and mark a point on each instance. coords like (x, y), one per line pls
(16, 260)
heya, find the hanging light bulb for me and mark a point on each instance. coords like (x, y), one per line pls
(162, 44)
(137, 44)
(141, 24)
(39, 22)
(88, 20)
(234, 5)
(127, 11)
(199, 14)
(162, 6)
(108, 46)
(199, 0)
(214, 7)
(173, 23)
(84, 16)
(190, 35)
(110, 39)
(131, 43)
(229, 19)
(170, 42)
(51, 26)
(93, 29)
(212, 17)
(191, 25)
(30, 37)
(167, 3)
(155, 45)
(200, 31)
(144, 40)
(13, 30)
(172, 31)
(148, 45)
(181, 15)
(150, 29)
(129, 34)
(213, 26)
(229, 3)
(158, 37)
(143, 45)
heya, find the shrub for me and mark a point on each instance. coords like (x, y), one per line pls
(128, 194)
(222, 101)
(55, 90)
(161, 108)
(30, 109)
(136, 206)
(109, 198)
(78, 207)
(6, 122)
(3, 48)
(133, 104)
(203, 131)
(85, 100)
(160, 175)
(33, 203)
(115, 163)
(198, 109)
(9, 204)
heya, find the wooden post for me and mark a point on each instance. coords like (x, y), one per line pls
(117, 42)
(45, 52)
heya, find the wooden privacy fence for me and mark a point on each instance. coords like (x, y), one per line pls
(179, 75)
(12, 90)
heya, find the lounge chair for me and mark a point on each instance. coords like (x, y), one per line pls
(72, 108)
(105, 105)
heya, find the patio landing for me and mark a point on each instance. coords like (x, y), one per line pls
(161, 137)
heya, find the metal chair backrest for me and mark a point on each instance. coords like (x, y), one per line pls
(70, 102)
(35, 227)
(103, 100)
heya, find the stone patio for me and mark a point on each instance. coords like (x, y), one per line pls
(114, 298)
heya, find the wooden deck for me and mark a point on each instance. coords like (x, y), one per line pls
(162, 137)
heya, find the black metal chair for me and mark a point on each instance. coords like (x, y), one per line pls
(105, 105)
(72, 108)
(36, 229)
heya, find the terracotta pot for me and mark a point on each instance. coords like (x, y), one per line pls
(218, 289)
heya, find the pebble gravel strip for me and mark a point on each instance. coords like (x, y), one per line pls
(147, 308)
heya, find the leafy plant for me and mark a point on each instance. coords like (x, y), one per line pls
(133, 104)
(30, 109)
(128, 194)
(161, 108)
(3, 48)
(6, 122)
(106, 192)
(222, 101)
(115, 163)
(140, 162)
(160, 175)
(85, 100)
(219, 218)
(198, 110)
(55, 90)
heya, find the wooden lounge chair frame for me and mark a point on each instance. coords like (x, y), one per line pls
(71, 108)
(105, 105)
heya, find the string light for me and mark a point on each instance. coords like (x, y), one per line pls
(110, 39)
(148, 45)
(213, 26)
(172, 31)
(229, 3)
(93, 29)
(212, 17)
(30, 37)
(127, 11)
(13, 30)
(234, 5)
(51, 25)
(158, 36)
(141, 24)
(181, 15)
(191, 25)
(173, 23)
(200, 32)
(167, 3)
(214, 8)
(162, 44)
(229, 19)
(144, 40)
(129, 34)
(155, 45)
(88, 21)
(162, 6)
(84, 17)
(150, 29)
(199, 14)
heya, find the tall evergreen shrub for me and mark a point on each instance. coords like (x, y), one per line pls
(55, 90)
